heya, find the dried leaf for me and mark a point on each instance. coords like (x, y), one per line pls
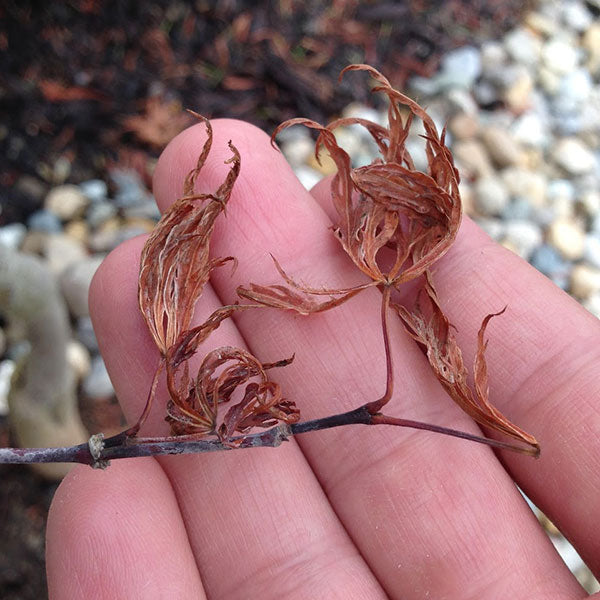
(432, 330)
(175, 266)
(175, 263)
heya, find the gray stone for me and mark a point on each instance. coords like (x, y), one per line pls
(591, 251)
(31, 187)
(523, 46)
(524, 236)
(44, 220)
(460, 67)
(518, 209)
(297, 151)
(86, 335)
(75, 283)
(493, 227)
(491, 196)
(100, 212)
(531, 129)
(95, 190)
(576, 16)
(130, 189)
(97, 385)
(12, 235)
(548, 261)
(146, 210)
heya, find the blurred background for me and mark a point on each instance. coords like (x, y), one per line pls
(91, 91)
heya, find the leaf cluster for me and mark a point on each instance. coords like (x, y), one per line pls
(393, 221)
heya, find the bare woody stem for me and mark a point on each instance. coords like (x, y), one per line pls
(121, 446)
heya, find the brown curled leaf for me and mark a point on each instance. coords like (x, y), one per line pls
(175, 263)
(432, 330)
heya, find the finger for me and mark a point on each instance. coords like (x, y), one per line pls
(429, 514)
(98, 530)
(256, 519)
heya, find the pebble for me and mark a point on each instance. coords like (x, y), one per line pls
(298, 152)
(31, 187)
(12, 236)
(560, 55)
(493, 227)
(2, 342)
(528, 185)
(591, 44)
(517, 94)
(502, 147)
(86, 335)
(95, 190)
(100, 212)
(573, 156)
(523, 46)
(44, 220)
(591, 251)
(130, 189)
(7, 368)
(79, 359)
(75, 284)
(576, 16)
(524, 236)
(78, 230)
(464, 126)
(308, 177)
(567, 237)
(530, 129)
(61, 251)
(585, 281)
(460, 68)
(592, 304)
(491, 196)
(472, 157)
(325, 165)
(548, 261)
(97, 385)
(66, 202)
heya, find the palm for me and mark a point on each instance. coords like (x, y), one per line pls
(354, 512)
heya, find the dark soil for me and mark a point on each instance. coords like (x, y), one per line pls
(86, 84)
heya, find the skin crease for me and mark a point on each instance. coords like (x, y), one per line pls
(355, 512)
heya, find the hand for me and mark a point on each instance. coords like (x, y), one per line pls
(355, 512)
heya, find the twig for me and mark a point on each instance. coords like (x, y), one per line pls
(120, 446)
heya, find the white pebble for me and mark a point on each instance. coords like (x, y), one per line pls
(523, 46)
(560, 56)
(567, 237)
(308, 177)
(97, 385)
(78, 358)
(12, 235)
(297, 151)
(573, 156)
(7, 368)
(66, 201)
